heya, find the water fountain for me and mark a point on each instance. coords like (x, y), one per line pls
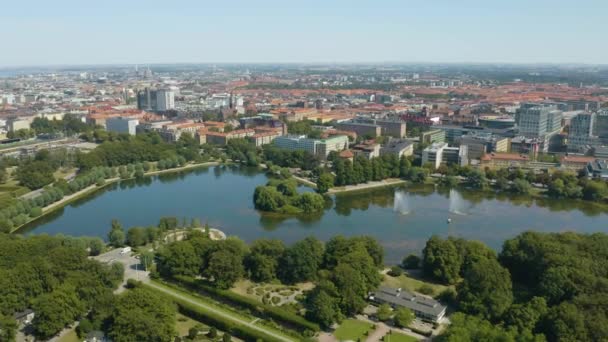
(457, 203)
(401, 203)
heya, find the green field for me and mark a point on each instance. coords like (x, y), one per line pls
(69, 337)
(352, 330)
(396, 337)
(411, 284)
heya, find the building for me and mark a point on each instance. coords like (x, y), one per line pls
(263, 137)
(122, 125)
(318, 147)
(17, 124)
(600, 129)
(398, 147)
(156, 100)
(362, 129)
(165, 100)
(222, 138)
(580, 134)
(597, 169)
(432, 136)
(540, 122)
(334, 144)
(575, 163)
(505, 160)
(424, 308)
(441, 153)
(367, 150)
(478, 145)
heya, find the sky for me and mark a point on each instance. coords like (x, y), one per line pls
(77, 32)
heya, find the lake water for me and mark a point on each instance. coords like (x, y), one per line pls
(401, 218)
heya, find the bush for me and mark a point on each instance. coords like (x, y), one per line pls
(395, 271)
(411, 262)
(426, 289)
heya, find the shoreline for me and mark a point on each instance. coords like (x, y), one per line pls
(365, 186)
(93, 188)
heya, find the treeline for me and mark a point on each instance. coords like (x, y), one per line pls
(54, 277)
(123, 149)
(558, 184)
(344, 269)
(362, 170)
(539, 287)
(282, 196)
(69, 126)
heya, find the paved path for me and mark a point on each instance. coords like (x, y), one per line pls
(376, 335)
(220, 313)
(368, 185)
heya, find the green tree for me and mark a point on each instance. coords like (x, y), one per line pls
(56, 310)
(411, 262)
(178, 258)
(525, 316)
(325, 182)
(441, 260)
(403, 317)
(225, 268)
(486, 289)
(142, 315)
(137, 236)
(322, 306)
(263, 259)
(301, 261)
(8, 328)
(384, 312)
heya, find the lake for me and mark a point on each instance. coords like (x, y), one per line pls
(401, 218)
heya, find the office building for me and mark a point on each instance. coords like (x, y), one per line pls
(362, 129)
(580, 134)
(398, 147)
(478, 145)
(122, 125)
(156, 100)
(318, 147)
(542, 122)
(432, 136)
(597, 169)
(441, 153)
(367, 150)
(375, 127)
(600, 129)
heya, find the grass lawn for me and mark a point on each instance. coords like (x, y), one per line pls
(409, 283)
(352, 330)
(70, 337)
(396, 337)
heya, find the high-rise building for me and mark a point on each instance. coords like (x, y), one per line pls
(600, 129)
(580, 135)
(156, 100)
(541, 122)
(318, 147)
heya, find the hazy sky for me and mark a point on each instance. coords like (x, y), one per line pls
(48, 32)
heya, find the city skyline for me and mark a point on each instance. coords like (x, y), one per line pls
(471, 31)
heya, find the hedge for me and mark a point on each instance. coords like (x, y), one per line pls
(241, 331)
(274, 312)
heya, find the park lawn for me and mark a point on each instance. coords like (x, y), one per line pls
(352, 330)
(396, 337)
(184, 323)
(70, 337)
(409, 283)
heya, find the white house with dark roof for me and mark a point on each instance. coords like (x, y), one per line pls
(423, 307)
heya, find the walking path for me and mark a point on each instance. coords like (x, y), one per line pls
(368, 185)
(219, 313)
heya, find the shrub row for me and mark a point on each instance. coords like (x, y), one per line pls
(200, 314)
(276, 313)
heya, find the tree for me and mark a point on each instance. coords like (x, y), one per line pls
(325, 182)
(56, 310)
(521, 186)
(301, 261)
(476, 329)
(384, 312)
(267, 198)
(178, 258)
(35, 174)
(142, 315)
(595, 190)
(485, 290)
(263, 259)
(310, 202)
(322, 307)
(212, 332)
(226, 337)
(116, 237)
(96, 246)
(403, 317)
(524, 317)
(225, 268)
(8, 328)
(137, 236)
(411, 262)
(441, 260)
